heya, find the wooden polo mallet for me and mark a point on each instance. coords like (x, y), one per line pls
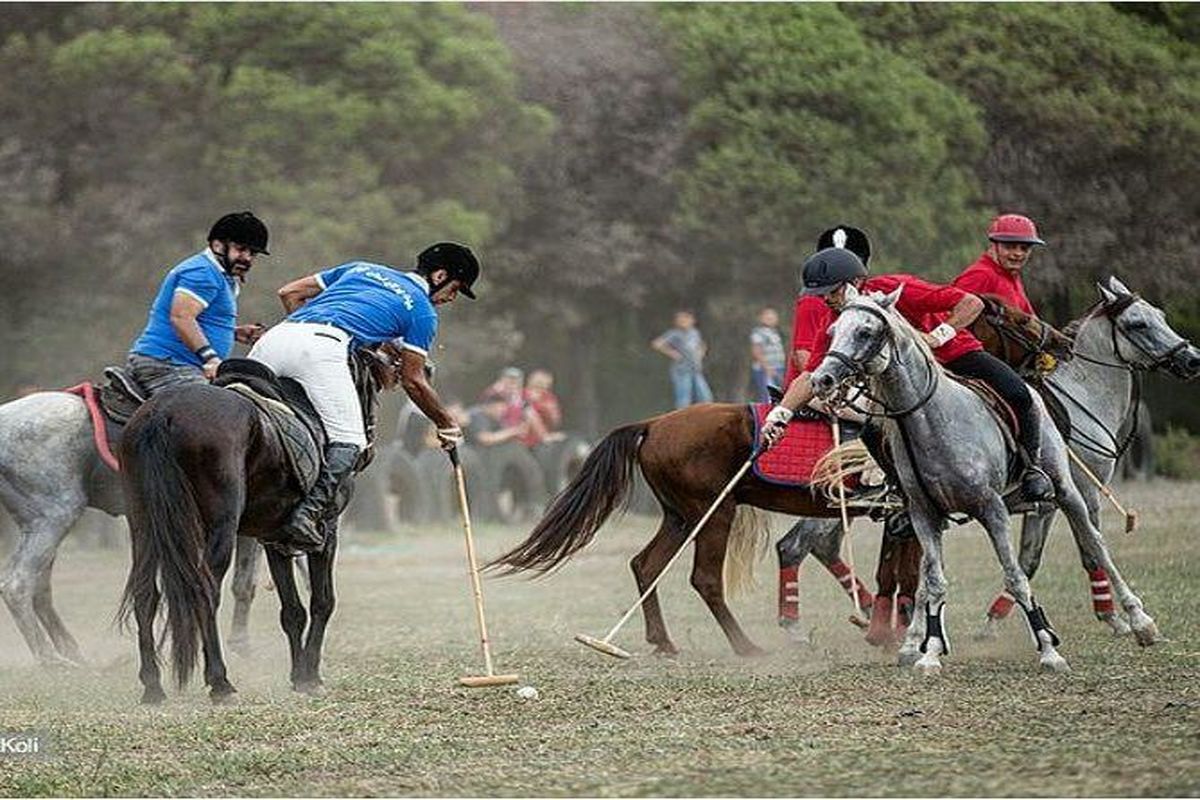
(491, 678)
(605, 645)
(1131, 517)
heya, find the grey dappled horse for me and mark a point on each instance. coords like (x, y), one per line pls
(50, 471)
(963, 467)
(1115, 339)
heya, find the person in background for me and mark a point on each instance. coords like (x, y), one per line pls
(487, 426)
(193, 321)
(508, 386)
(767, 356)
(684, 345)
(542, 409)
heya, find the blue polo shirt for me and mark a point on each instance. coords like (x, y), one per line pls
(374, 303)
(201, 278)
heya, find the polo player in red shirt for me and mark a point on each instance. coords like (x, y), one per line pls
(1011, 239)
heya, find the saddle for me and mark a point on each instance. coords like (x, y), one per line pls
(285, 409)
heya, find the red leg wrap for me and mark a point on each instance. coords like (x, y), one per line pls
(789, 592)
(854, 587)
(880, 632)
(1001, 606)
(1102, 599)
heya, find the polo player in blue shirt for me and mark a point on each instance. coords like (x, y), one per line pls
(356, 304)
(193, 320)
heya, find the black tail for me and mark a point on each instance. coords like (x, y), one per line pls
(602, 485)
(168, 538)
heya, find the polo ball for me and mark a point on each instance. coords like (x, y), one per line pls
(527, 693)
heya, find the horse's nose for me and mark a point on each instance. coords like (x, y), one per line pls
(823, 383)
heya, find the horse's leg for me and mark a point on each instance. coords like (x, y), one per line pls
(646, 565)
(245, 569)
(708, 576)
(805, 536)
(886, 581)
(219, 553)
(43, 606)
(145, 610)
(1035, 529)
(1091, 545)
(994, 517)
(908, 575)
(320, 608)
(933, 642)
(40, 537)
(292, 616)
(829, 552)
(1098, 580)
(910, 647)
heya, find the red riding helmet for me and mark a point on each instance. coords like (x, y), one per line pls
(1013, 228)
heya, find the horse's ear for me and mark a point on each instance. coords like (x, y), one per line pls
(1117, 287)
(1106, 294)
(889, 300)
(851, 292)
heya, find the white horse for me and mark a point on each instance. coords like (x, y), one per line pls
(50, 471)
(963, 467)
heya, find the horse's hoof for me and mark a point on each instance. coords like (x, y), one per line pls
(1055, 663)
(222, 695)
(666, 650)
(753, 651)
(907, 658)
(1118, 626)
(928, 665)
(798, 635)
(313, 688)
(153, 697)
(1147, 634)
(988, 632)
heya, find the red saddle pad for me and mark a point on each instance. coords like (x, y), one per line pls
(791, 462)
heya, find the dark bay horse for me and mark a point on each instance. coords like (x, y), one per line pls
(201, 467)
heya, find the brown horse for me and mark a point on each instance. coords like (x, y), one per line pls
(687, 457)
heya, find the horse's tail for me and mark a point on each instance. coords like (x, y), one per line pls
(168, 539)
(602, 485)
(748, 538)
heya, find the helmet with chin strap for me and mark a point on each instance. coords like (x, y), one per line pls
(458, 261)
(826, 270)
(241, 228)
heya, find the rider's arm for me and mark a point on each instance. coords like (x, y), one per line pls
(295, 294)
(964, 312)
(799, 392)
(185, 308)
(660, 344)
(416, 384)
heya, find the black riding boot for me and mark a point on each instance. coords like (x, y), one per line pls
(897, 524)
(305, 530)
(1035, 484)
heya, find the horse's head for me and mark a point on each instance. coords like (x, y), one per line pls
(862, 341)
(1015, 335)
(1142, 337)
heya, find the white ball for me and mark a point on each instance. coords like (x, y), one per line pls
(527, 693)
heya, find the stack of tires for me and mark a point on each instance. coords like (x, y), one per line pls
(507, 483)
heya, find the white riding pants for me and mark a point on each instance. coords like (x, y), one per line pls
(316, 355)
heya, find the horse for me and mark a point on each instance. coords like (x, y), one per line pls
(1012, 335)
(1117, 339)
(964, 467)
(199, 468)
(50, 471)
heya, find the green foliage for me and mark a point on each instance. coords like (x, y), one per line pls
(800, 122)
(1177, 454)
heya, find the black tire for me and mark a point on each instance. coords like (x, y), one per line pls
(560, 461)
(520, 486)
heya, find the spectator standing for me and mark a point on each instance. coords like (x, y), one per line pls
(684, 345)
(767, 355)
(541, 408)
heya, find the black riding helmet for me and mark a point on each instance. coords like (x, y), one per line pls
(848, 237)
(456, 259)
(243, 228)
(827, 269)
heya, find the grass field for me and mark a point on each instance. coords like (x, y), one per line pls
(837, 718)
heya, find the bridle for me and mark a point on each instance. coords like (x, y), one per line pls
(1135, 369)
(860, 379)
(1011, 332)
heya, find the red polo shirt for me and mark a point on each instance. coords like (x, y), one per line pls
(810, 319)
(985, 276)
(925, 305)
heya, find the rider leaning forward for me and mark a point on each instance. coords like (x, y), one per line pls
(193, 320)
(350, 306)
(941, 314)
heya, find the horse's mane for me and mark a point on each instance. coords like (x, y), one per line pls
(1123, 302)
(1071, 329)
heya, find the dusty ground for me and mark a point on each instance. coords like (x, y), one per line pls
(834, 719)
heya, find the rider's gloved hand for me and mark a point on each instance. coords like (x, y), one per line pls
(450, 438)
(774, 426)
(210, 368)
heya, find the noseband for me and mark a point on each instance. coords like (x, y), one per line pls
(858, 372)
(1114, 312)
